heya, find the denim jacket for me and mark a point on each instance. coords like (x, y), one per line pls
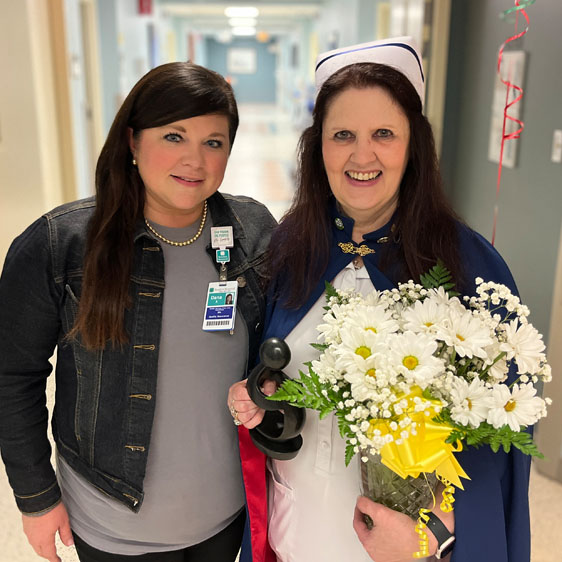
(104, 410)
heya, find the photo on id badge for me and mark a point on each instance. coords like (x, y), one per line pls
(220, 309)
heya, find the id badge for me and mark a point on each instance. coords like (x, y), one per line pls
(220, 309)
(222, 237)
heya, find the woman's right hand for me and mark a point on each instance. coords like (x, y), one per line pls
(239, 401)
(42, 529)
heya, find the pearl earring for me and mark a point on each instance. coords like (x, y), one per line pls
(134, 162)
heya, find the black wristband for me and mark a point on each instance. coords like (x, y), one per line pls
(445, 539)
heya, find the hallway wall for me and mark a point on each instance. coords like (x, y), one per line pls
(109, 77)
(30, 181)
(257, 87)
(530, 206)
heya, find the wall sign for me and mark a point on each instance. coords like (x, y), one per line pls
(241, 60)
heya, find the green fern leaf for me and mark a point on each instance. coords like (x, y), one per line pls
(330, 291)
(439, 276)
(348, 453)
(320, 346)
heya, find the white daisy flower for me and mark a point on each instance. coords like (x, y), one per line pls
(498, 370)
(325, 367)
(442, 297)
(373, 318)
(373, 298)
(356, 342)
(517, 408)
(524, 343)
(412, 355)
(424, 316)
(369, 376)
(471, 401)
(466, 333)
(334, 319)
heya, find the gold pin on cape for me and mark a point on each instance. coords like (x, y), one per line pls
(363, 250)
(349, 248)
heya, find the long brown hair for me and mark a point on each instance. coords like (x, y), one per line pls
(168, 93)
(425, 221)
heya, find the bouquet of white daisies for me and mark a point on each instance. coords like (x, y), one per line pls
(415, 373)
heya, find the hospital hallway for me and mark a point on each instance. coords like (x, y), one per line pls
(262, 166)
(68, 66)
(262, 161)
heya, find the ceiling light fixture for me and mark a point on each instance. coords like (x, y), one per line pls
(241, 12)
(243, 22)
(244, 31)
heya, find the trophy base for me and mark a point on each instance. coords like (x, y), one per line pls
(283, 450)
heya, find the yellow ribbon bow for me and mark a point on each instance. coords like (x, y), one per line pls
(427, 450)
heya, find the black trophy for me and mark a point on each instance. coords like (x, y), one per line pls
(278, 435)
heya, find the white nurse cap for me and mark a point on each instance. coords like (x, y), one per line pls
(398, 52)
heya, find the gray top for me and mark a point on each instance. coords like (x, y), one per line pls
(193, 485)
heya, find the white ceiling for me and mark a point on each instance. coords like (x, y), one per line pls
(274, 17)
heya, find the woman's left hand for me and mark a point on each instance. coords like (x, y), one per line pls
(393, 537)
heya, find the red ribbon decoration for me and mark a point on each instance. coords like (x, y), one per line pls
(515, 135)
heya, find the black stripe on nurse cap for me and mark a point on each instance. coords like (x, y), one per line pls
(398, 52)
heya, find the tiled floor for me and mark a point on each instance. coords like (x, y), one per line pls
(262, 166)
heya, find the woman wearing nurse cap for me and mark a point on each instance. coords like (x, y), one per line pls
(369, 176)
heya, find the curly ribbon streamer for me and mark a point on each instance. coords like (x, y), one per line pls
(421, 525)
(519, 7)
(448, 494)
(446, 506)
(423, 518)
(426, 451)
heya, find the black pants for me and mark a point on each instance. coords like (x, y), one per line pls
(223, 547)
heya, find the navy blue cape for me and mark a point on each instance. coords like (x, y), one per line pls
(492, 512)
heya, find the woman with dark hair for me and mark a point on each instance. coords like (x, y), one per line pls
(120, 284)
(369, 212)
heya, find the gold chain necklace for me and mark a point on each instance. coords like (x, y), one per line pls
(186, 242)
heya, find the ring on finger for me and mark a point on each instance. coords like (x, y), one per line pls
(234, 413)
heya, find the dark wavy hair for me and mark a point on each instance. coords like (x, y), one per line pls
(425, 221)
(168, 93)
